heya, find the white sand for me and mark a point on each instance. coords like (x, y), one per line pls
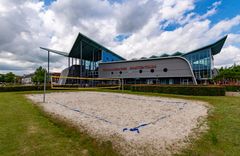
(105, 115)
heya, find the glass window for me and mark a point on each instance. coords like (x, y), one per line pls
(201, 63)
(108, 57)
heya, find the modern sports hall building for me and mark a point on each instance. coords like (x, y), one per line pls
(90, 59)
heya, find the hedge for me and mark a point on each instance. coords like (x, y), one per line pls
(21, 88)
(232, 88)
(179, 89)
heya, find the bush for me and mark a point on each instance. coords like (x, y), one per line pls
(179, 89)
(22, 88)
(232, 88)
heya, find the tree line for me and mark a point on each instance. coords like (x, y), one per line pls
(228, 74)
(10, 78)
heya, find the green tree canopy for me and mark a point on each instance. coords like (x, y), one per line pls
(38, 76)
(231, 73)
(2, 78)
(9, 77)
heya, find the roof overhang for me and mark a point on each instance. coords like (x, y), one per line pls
(91, 50)
(215, 47)
(56, 51)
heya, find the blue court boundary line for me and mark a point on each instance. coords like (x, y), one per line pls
(134, 129)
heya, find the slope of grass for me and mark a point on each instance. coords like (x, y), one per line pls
(26, 130)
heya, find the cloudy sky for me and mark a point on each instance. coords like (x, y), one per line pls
(131, 28)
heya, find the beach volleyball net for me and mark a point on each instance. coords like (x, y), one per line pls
(60, 82)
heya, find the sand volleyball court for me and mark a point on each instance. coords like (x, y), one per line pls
(136, 125)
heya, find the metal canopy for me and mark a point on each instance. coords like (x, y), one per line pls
(56, 51)
(91, 50)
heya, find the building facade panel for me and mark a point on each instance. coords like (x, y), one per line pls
(151, 68)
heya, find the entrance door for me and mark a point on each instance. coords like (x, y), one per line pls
(185, 81)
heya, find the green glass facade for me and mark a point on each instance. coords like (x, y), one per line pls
(201, 62)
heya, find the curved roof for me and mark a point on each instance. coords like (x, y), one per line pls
(215, 48)
(164, 55)
(177, 54)
(153, 56)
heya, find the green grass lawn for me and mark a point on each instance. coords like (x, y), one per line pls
(26, 130)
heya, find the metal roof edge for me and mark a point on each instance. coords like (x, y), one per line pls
(98, 44)
(55, 51)
(209, 46)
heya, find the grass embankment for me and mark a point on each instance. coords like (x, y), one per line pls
(26, 130)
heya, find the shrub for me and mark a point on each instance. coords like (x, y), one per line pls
(179, 89)
(22, 88)
(232, 88)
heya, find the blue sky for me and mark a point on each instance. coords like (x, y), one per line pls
(48, 2)
(130, 28)
(227, 9)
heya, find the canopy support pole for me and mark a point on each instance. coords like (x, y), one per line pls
(68, 62)
(48, 67)
(93, 65)
(80, 62)
(81, 58)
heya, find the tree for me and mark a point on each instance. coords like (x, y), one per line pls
(9, 77)
(2, 78)
(229, 74)
(38, 76)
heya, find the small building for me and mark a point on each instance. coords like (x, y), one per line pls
(26, 79)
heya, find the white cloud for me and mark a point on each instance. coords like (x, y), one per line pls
(133, 15)
(174, 9)
(228, 56)
(27, 25)
(233, 39)
(224, 26)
